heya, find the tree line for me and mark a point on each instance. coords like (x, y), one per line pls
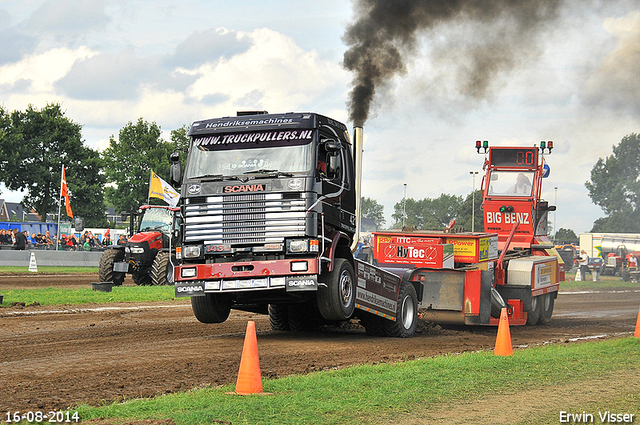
(35, 143)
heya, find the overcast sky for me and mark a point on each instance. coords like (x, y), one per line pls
(108, 62)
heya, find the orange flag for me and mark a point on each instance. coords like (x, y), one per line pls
(65, 193)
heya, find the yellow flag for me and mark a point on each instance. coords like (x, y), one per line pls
(159, 188)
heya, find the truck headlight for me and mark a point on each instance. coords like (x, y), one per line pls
(302, 246)
(298, 247)
(137, 250)
(191, 251)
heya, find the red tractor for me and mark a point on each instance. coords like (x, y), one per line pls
(146, 255)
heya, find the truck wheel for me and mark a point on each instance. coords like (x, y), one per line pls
(536, 308)
(212, 308)
(278, 317)
(337, 300)
(547, 301)
(406, 313)
(105, 267)
(373, 325)
(162, 270)
(141, 279)
(304, 317)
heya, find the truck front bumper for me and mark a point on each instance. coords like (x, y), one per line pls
(290, 274)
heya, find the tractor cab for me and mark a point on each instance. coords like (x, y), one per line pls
(146, 255)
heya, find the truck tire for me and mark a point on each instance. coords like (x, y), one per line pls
(105, 267)
(162, 270)
(406, 313)
(212, 308)
(141, 279)
(278, 317)
(337, 301)
(548, 301)
(373, 325)
(536, 308)
(304, 317)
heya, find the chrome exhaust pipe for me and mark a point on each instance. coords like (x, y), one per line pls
(358, 148)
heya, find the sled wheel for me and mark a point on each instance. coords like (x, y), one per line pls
(547, 301)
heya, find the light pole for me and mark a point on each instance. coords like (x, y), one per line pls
(555, 216)
(404, 205)
(473, 202)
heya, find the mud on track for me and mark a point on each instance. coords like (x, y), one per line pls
(95, 353)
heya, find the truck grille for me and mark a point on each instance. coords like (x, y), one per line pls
(241, 219)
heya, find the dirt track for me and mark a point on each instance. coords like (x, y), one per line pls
(87, 354)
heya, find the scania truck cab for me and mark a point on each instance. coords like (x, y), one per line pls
(269, 217)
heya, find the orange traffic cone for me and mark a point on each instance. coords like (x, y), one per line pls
(503, 341)
(249, 377)
(637, 332)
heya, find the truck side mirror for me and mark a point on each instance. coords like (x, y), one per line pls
(332, 147)
(175, 171)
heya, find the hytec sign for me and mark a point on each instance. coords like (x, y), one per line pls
(422, 252)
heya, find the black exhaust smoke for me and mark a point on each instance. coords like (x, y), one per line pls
(386, 32)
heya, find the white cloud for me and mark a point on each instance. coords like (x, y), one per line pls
(44, 69)
(273, 74)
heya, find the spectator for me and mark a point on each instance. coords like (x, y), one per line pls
(34, 240)
(122, 240)
(106, 240)
(48, 243)
(20, 240)
(6, 237)
(93, 241)
(584, 263)
(72, 243)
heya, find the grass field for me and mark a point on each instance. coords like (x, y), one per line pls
(62, 296)
(412, 392)
(542, 381)
(67, 296)
(48, 270)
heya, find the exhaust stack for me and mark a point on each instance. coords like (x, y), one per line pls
(358, 145)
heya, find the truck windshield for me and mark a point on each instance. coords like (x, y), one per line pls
(237, 154)
(156, 219)
(510, 183)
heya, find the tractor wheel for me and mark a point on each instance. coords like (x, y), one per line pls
(337, 300)
(141, 279)
(547, 301)
(406, 313)
(536, 309)
(212, 308)
(162, 270)
(105, 267)
(278, 317)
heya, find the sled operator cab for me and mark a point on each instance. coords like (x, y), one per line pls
(529, 267)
